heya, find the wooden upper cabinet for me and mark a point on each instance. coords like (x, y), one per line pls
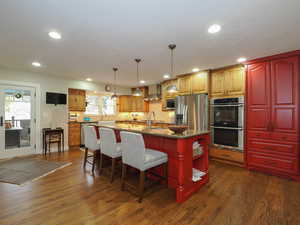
(184, 85)
(228, 82)
(217, 84)
(235, 81)
(128, 103)
(77, 100)
(199, 82)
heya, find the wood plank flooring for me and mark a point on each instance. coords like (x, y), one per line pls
(234, 196)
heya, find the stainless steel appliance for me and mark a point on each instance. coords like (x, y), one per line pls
(227, 122)
(192, 110)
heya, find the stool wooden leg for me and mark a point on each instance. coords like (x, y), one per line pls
(141, 185)
(94, 161)
(85, 157)
(124, 168)
(165, 172)
(113, 166)
(100, 163)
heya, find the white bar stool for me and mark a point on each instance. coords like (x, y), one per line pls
(92, 144)
(110, 148)
(135, 154)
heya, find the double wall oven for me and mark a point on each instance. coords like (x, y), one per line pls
(227, 122)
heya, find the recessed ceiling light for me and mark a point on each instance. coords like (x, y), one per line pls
(166, 76)
(89, 79)
(54, 35)
(215, 28)
(142, 81)
(36, 64)
(196, 70)
(242, 59)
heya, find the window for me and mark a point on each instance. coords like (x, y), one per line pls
(100, 105)
(92, 107)
(19, 108)
(108, 105)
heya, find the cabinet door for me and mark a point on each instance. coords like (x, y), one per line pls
(81, 103)
(72, 102)
(235, 81)
(139, 104)
(184, 85)
(199, 83)
(258, 97)
(285, 97)
(74, 134)
(217, 84)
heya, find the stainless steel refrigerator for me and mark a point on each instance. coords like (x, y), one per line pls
(192, 110)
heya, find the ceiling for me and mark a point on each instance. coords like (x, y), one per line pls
(98, 35)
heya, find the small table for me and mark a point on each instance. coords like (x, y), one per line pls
(53, 136)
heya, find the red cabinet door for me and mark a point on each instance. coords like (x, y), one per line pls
(258, 97)
(285, 98)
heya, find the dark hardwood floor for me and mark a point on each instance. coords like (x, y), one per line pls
(234, 196)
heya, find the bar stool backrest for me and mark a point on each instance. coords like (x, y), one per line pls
(133, 149)
(90, 138)
(108, 142)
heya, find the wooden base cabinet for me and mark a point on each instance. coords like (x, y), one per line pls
(272, 115)
(74, 134)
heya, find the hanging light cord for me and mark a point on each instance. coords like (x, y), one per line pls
(137, 71)
(115, 81)
(172, 63)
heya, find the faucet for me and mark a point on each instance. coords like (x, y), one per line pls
(149, 121)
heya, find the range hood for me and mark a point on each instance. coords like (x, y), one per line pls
(154, 93)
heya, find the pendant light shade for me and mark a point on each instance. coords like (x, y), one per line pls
(137, 91)
(172, 88)
(115, 96)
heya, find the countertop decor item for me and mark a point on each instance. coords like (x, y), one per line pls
(178, 129)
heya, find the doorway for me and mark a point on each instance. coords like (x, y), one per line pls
(17, 121)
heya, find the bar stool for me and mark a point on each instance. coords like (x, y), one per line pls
(92, 144)
(110, 148)
(135, 154)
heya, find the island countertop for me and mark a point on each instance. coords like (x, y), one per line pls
(156, 131)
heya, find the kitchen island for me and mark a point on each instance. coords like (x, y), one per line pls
(184, 162)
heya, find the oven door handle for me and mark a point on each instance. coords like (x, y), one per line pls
(228, 128)
(232, 105)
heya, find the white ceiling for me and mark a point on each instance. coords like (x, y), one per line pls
(100, 34)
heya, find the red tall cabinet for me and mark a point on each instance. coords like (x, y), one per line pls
(272, 115)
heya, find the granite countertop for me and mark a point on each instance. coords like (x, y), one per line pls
(144, 121)
(83, 122)
(163, 132)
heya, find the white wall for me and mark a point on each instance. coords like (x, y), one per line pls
(53, 116)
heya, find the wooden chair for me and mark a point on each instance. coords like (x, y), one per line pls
(110, 148)
(92, 144)
(135, 154)
(53, 136)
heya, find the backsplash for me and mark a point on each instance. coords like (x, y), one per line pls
(153, 107)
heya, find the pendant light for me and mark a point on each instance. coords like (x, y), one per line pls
(172, 88)
(137, 91)
(114, 96)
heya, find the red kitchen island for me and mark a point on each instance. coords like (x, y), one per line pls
(187, 168)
